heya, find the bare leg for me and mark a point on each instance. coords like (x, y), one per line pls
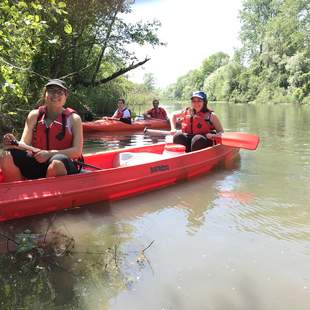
(9, 170)
(56, 168)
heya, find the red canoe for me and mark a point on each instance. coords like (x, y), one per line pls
(115, 125)
(122, 173)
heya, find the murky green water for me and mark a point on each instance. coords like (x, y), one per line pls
(237, 238)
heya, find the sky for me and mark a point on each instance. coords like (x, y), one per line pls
(193, 30)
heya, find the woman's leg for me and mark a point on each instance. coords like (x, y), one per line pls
(184, 139)
(56, 168)
(9, 170)
(200, 142)
(60, 165)
(27, 164)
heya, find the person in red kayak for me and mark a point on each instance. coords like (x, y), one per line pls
(156, 112)
(122, 113)
(199, 125)
(54, 130)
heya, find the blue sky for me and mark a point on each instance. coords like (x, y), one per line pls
(193, 30)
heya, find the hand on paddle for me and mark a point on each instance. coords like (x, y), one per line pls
(109, 118)
(42, 156)
(8, 141)
(213, 136)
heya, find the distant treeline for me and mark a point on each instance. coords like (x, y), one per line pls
(84, 42)
(273, 64)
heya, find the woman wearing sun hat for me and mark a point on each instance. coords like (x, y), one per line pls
(198, 124)
(54, 130)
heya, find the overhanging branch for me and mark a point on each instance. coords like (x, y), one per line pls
(114, 75)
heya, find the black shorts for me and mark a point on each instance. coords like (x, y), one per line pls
(31, 169)
(125, 120)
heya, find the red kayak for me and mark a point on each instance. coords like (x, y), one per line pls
(121, 173)
(115, 125)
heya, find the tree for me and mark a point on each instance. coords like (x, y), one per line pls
(22, 26)
(85, 42)
(99, 37)
(149, 81)
(255, 16)
(195, 79)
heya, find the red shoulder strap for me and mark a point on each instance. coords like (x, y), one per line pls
(68, 111)
(42, 111)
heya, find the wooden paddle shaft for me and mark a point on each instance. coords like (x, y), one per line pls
(27, 147)
(156, 132)
(233, 139)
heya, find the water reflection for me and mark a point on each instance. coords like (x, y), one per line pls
(243, 230)
(104, 260)
(102, 141)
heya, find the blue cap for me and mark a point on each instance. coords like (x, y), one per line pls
(200, 94)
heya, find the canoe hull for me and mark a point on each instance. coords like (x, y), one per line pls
(111, 125)
(27, 198)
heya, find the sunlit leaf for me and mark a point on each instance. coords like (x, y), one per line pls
(68, 29)
(61, 5)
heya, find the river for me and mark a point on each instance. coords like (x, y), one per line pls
(237, 238)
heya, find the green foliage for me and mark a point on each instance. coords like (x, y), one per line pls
(195, 79)
(84, 42)
(100, 100)
(23, 25)
(140, 98)
(149, 81)
(273, 64)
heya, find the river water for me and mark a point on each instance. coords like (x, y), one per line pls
(237, 238)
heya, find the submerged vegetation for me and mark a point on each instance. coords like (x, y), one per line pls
(50, 268)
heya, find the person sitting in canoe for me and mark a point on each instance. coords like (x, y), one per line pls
(122, 113)
(199, 125)
(156, 112)
(56, 133)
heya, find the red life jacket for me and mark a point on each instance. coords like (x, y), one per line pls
(120, 114)
(199, 123)
(157, 113)
(57, 136)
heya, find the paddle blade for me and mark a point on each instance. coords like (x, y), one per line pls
(156, 132)
(239, 140)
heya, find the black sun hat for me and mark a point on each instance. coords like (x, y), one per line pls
(57, 82)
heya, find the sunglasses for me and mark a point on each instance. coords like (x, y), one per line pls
(56, 91)
(197, 100)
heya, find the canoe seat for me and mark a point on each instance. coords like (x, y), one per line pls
(130, 158)
(84, 171)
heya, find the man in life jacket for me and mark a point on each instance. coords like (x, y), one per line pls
(199, 125)
(156, 112)
(54, 130)
(122, 113)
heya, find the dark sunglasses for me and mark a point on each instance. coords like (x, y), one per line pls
(56, 91)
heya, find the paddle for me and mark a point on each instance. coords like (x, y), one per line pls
(233, 139)
(108, 118)
(27, 147)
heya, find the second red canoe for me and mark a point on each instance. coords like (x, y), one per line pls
(115, 125)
